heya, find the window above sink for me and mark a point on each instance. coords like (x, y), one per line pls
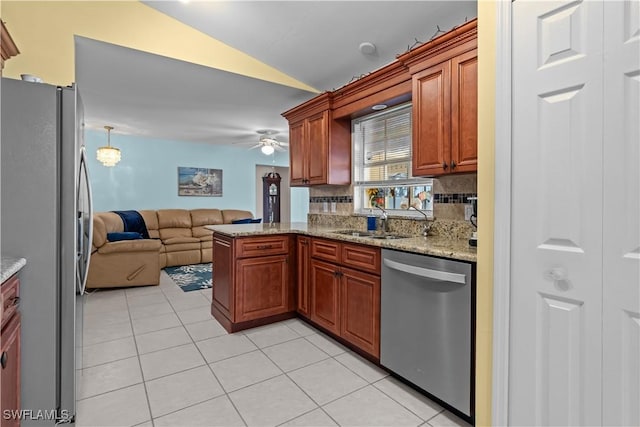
(382, 165)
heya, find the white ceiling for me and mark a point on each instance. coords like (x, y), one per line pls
(315, 42)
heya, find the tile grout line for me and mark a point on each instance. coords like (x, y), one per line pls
(401, 404)
(298, 385)
(211, 370)
(144, 383)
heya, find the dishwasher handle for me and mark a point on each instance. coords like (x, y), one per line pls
(428, 273)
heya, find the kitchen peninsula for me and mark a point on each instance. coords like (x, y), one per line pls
(269, 272)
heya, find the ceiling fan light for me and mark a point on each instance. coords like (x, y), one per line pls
(267, 149)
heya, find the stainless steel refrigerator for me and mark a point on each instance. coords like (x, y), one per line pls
(46, 218)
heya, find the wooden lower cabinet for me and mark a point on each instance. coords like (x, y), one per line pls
(325, 295)
(346, 301)
(304, 260)
(9, 351)
(360, 310)
(262, 285)
(252, 283)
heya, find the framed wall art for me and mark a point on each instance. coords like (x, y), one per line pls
(199, 182)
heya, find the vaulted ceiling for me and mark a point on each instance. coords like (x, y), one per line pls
(217, 71)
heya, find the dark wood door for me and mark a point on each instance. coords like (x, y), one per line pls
(464, 112)
(318, 140)
(325, 295)
(304, 259)
(360, 311)
(262, 287)
(431, 120)
(297, 165)
(10, 372)
(223, 276)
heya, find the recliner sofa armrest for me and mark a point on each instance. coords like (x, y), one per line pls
(140, 245)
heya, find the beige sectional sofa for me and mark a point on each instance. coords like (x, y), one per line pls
(177, 237)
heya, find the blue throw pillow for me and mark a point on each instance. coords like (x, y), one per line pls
(124, 235)
(256, 221)
(242, 221)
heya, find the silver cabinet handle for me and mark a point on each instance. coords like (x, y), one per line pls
(428, 273)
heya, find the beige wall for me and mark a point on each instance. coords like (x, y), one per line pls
(44, 32)
(486, 150)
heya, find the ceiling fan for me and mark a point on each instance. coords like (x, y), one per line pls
(267, 142)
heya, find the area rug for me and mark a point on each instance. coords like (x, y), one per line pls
(192, 277)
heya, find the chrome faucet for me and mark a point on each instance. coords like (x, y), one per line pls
(426, 227)
(384, 220)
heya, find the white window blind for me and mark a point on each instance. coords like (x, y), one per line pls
(382, 147)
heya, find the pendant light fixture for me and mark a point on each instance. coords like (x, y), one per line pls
(108, 155)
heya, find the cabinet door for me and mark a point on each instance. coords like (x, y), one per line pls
(360, 311)
(262, 287)
(223, 276)
(303, 275)
(431, 120)
(297, 150)
(464, 112)
(325, 295)
(318, 139)
(10, 371)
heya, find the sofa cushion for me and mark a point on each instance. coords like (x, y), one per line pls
(123, 235)
(228, 215)
(151, 220)
(173, 218)
(202, 217)
(103, 223)
(178, 240)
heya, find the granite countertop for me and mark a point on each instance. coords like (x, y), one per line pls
(10, 266)
(433, 245)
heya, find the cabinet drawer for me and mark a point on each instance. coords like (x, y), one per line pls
(260, 246)
(364, 258)
(325, 249)
(9, 298)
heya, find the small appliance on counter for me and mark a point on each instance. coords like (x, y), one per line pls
(473, 241)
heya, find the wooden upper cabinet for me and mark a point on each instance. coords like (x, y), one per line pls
(464, 112)
(431, 120)
(445, 117)
(319, 147)
(7, 46)
(297, 151)
(318, 141)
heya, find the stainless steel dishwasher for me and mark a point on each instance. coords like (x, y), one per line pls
(426, 325)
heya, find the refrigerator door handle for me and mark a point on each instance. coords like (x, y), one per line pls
(85, 249)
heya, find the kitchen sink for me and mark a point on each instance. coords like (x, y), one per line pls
(389, 236)
(371, 234)
(355, 233)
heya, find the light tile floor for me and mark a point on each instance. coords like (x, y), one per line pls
(154, 356)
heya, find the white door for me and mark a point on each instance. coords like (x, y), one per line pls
(555, 368)
(621, 236)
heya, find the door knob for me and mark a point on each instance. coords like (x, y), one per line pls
(3, 359)
(559, 277)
